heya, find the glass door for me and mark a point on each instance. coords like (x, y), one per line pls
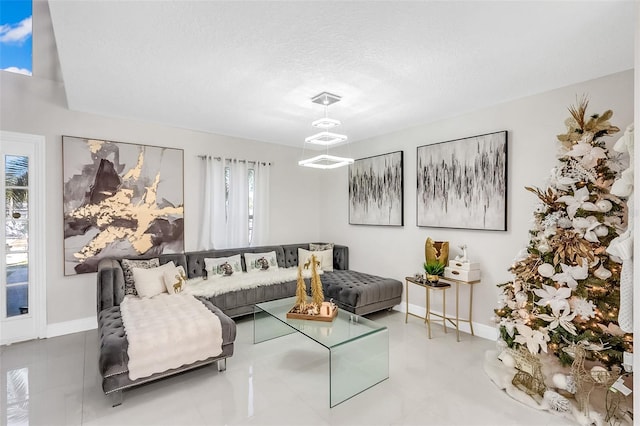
(21, 304)
(16, 238)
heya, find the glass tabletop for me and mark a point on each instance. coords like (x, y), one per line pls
(343, 329)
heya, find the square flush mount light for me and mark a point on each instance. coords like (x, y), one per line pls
(326, 138)
(325, 98)
(326, 161)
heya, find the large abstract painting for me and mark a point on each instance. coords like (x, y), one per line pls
(120, 200)
(376, 190)
(463, 183)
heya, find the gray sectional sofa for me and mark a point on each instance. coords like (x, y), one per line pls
(353, 291)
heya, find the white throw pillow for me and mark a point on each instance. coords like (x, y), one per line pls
(171, 277)
(261, 261)
(213, 265)
(324, 256)
(150, 282)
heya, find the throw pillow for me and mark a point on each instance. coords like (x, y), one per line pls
(325, 257)
(149, 282)
(174, 279)
(221, 266)
(320, 246)
(261, 261)
(128, 264)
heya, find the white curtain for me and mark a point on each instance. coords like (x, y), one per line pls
(212, 218)
(260, 234)
(238, 205)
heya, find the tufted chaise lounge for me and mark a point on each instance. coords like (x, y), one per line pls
(113, 359)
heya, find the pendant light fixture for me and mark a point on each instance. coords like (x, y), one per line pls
(325, 137)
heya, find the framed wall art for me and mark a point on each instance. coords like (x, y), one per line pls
(120, 200)
(376, 190)
(463, 183)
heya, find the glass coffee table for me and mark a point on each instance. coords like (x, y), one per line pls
(358, 347)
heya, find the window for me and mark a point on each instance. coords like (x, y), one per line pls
(251, 179)
(15, 36)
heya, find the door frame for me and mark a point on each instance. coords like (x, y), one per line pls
(37, 238)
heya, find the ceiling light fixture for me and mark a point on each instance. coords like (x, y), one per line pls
(325, 137)
(326, 161)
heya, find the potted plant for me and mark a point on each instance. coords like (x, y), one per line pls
(433, 271)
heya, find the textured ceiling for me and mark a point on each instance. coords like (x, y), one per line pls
(249, 69)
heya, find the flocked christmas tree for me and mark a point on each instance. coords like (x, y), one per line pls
(566, 288)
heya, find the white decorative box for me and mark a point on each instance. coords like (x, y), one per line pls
(467, 266)
(462, 274)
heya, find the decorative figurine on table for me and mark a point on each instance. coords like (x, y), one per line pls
(462, 258)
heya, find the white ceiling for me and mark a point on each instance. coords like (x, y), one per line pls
(249, 69)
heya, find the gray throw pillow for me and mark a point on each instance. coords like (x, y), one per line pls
(320, 246)
(127, 270)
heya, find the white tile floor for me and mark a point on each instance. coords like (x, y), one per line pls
(279, 382)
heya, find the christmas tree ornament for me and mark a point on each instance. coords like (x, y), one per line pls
(544, 247)
(604, 205)
(556, 401)
(565, 223)
(546, 270)
(602, 273)
(601, 231)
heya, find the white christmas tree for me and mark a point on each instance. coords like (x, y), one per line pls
(566, 287)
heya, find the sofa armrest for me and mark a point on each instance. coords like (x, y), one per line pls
(110, 290)
(340, 257)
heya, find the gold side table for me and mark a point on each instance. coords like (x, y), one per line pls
(458, 320)
(455, 321)
(428, 288)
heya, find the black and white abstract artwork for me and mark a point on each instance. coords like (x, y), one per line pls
(120, 200)
(376, 190)
(463, 183)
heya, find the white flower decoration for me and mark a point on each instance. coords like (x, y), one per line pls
(560, 179)
(587, 227)
(579, 200)
(550, 294)
(587, 153)
(582, 307)
(561, 316)
(534, 339)
(570, 274)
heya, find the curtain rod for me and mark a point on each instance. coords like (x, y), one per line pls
(264, 163)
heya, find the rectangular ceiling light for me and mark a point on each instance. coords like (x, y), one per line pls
(326, 161)
(326, 138)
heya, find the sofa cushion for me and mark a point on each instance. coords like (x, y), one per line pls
(149, 282)
(213, 265)
(172, 277)
(320, 246)
(254, 261)
(128, 264)
(325, 257)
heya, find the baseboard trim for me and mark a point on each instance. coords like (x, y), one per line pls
(480, 330)
(73, 326)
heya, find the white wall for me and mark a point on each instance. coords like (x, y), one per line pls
(532, 123)
(37, 105)
(306, 204)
